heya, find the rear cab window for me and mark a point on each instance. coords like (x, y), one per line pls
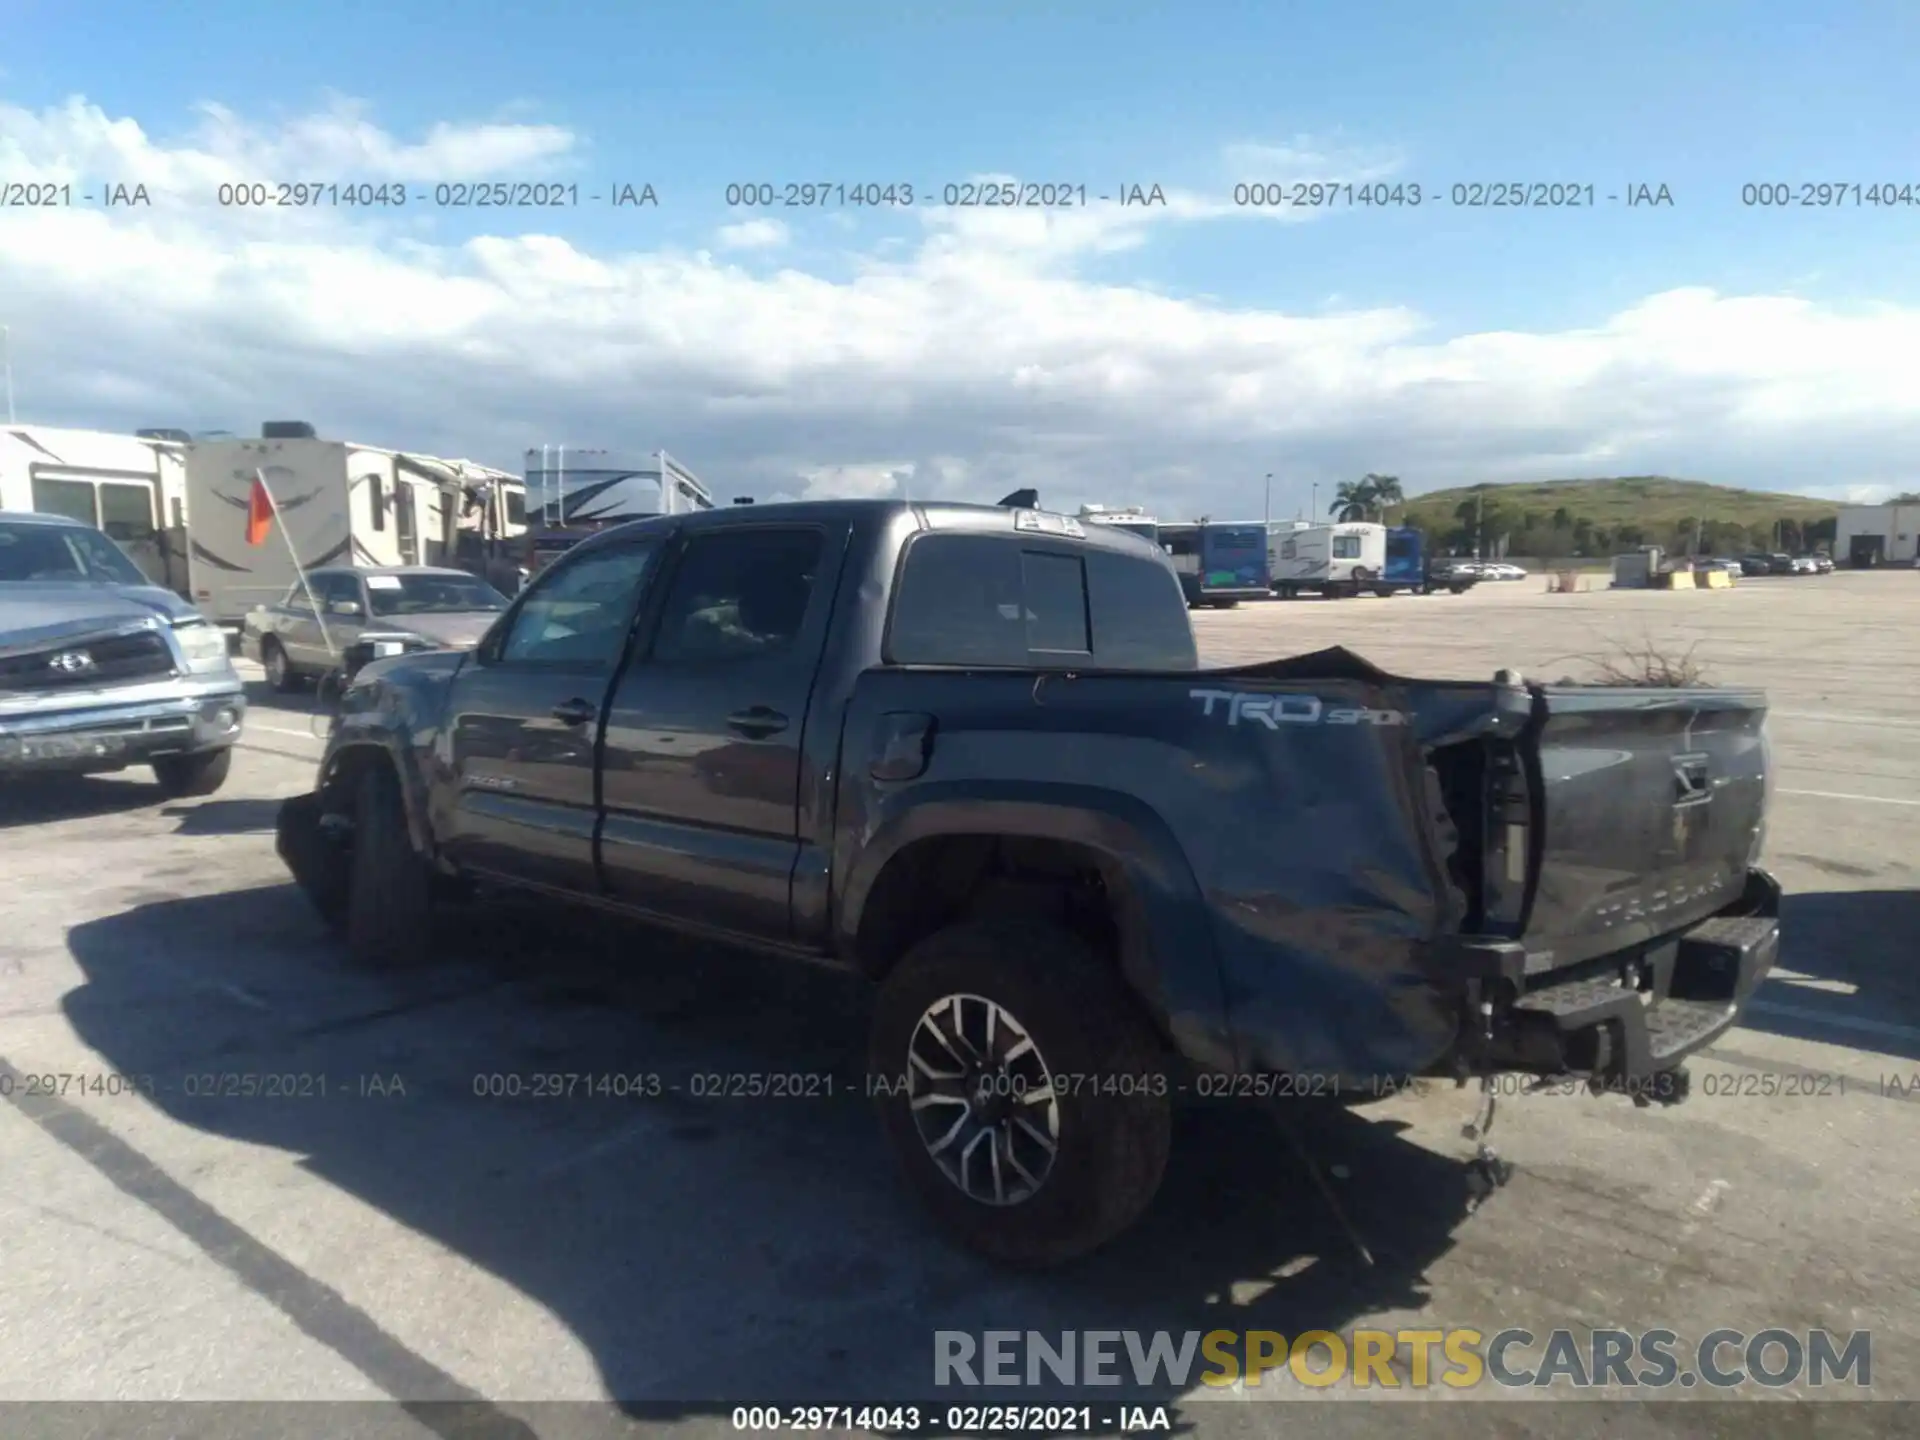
(1033, 602)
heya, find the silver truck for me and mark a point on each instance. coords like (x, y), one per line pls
(100, 669)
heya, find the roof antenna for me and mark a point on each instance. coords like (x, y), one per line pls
(1022, 500)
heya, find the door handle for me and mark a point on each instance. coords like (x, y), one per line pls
(757, 723)
(575, 712)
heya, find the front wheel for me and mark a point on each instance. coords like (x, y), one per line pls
(181, 776)
(1021, 1090)
(1383, 591)
(280, 672)
(389, 890)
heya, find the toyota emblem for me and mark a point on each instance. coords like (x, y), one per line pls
(71, 662)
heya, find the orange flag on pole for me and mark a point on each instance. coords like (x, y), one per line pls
(259, 512)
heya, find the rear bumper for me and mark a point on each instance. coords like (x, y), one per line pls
(1629, 1017)
(108, 736)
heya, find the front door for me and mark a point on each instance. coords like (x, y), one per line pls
(704, 762)
(524, 722)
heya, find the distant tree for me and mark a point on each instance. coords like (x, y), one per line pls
(1386, 493)
(1353, 500)
(1562, 520)
(1911, 497)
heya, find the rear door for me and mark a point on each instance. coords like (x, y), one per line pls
(524, 720)
(703, 751)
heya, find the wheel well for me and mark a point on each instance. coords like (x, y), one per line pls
(933, 883)
(343, 780)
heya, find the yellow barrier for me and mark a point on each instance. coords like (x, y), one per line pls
(1680, 580)
(1718, 580)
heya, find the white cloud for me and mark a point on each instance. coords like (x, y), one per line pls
(975, 360)
(754, 235)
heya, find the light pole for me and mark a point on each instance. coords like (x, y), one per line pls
(1266, 504)
(1313, 505)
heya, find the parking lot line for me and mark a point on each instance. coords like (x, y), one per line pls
(283, 730)
(1837, 1022)
(1830, 718)
(1838, 795)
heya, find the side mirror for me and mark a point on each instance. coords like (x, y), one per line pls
(344, 607)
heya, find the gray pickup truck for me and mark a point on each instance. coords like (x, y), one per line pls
(969, 753)
(100, 669)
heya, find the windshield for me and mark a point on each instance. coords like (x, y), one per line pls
(63, 552)
(431, 594)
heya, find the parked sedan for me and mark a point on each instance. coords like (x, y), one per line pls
(412, 607)
(1804, 565)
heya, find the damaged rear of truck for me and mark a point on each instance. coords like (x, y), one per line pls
(1574, 887)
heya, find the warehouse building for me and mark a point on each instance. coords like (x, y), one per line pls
(1869, 535)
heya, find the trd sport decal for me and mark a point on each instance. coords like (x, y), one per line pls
(1273, 711)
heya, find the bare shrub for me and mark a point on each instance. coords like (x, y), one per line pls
(1564, 582)
(1646, 664)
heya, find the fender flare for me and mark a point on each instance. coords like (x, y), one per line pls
(1176, 972)
(386, 742)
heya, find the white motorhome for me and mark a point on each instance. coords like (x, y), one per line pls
(567, 485)
(1334, 560)
(131, 486)
(340, 504)
(1132, 518)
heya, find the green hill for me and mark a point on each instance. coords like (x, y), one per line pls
(1596, 517)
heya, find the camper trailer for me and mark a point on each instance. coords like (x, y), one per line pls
(131, 486)
(1131, 518)
(1332, 560)
(568, 486)
(340, 504)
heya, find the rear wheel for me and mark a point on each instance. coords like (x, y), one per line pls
(181, 776)
(1022, 1091)
(1383, 591)
(280, 672)
(390, 890)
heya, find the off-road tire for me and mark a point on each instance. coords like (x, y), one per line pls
(287, 679)
(390, 889)
(1113, 1146)
(183, 776)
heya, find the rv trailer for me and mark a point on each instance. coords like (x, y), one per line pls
(1131, 518)
(340, 504)
(571, 493)
(131, 486)
(1332, 560)
(568, 486)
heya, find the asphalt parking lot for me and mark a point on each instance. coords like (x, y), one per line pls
(401, 1237)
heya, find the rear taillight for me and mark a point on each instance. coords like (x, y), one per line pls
(1507, 839)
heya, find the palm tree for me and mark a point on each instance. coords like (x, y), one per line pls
(1353, 500)
(1386, 493)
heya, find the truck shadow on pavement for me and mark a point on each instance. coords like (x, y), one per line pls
(705, 1252)
(1857, 947)
(40, 801)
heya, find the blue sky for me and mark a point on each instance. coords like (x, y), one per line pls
(1700, 97)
